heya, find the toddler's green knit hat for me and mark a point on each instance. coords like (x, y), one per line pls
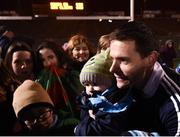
(96, 70)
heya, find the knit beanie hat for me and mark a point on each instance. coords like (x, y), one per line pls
(96, 69)
(29, 93)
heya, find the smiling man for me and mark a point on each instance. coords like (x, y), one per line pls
(133, 51)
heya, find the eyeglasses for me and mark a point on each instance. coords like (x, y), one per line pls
(42, 117)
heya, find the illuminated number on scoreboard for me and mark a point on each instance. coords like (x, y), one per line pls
(66, 6)
(79, 6)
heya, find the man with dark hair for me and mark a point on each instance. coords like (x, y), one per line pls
(155, 100)
(133, 50)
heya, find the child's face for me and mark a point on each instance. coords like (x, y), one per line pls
(91, 88)
(38, 118)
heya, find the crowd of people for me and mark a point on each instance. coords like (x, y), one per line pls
(124, 86)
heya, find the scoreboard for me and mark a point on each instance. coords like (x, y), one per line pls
(86, 7)
(66, 5)
(67, 9)
(79, 7)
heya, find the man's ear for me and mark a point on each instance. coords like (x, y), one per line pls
(152, 58)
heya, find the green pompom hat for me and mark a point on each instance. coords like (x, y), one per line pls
(96, 70)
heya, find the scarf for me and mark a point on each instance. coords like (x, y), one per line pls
(101, 103)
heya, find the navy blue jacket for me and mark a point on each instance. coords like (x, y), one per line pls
(156, 109)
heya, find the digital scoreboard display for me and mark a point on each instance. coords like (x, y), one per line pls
(86, 7)
(67, 7)
(78, 7)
